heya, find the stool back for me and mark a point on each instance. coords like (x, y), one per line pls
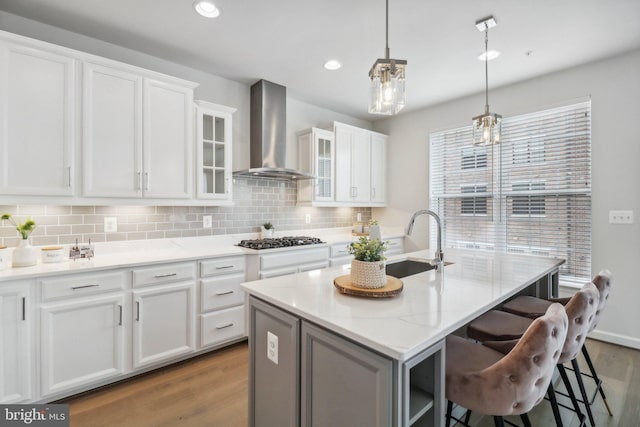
(603, 282)
(581, 311)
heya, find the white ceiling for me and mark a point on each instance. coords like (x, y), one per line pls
(287, 41)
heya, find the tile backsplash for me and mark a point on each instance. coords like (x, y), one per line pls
(256, 201)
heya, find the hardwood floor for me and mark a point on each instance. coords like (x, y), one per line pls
(211, 390)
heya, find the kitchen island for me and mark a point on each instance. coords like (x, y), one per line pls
(321, 358)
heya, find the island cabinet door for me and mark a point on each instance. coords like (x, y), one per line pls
(274, 374)
(343, 384)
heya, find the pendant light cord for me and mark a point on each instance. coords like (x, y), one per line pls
(486, 67)
(386, 31)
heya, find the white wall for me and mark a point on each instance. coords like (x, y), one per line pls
(212, 88)
(614, 87)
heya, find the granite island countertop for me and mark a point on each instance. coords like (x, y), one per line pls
(431, 305)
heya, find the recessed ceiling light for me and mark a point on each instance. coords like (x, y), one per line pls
(206, 8)
(492, 54)
(332, 64)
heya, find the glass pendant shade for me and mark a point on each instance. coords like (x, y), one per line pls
(487, 129)
(387, 94)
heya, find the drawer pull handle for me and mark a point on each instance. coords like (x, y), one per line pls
(160, 276)
(225, 326)
(222, 267)
(224, 293)
(120, 321)
(24, 308)
(342, 252)
(137, 311)
(95, 285)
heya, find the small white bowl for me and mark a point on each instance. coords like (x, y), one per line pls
(52, 254)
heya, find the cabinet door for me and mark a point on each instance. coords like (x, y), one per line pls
(15, 338)
(167, 140)
(344, 189)
(112, 132)
(163, 323)
(342, 384)
(82, 342)
(378, 168)
(37, 121)
(324, 165)
(361, 166)
(214, 151)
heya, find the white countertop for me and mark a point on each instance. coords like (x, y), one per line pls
(431, 305)
(139, 252)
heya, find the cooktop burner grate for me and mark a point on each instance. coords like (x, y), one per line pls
(280, 242)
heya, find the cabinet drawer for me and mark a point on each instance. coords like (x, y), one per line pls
(396, 246)
(163, 274)
(287, 258)
(340, 250)
(82, 284)
(221, 292)
(218, 266)
(221, 326)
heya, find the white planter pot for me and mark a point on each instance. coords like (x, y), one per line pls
(24, 255)
(369, 275)
(267, 234)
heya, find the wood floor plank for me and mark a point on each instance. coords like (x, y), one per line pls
(212, 391)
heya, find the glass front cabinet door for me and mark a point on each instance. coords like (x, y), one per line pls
(214, 125)
(316, 155)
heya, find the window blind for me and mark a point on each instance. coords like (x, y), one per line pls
(529, 195)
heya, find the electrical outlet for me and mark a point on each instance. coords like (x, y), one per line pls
(272, 347)
(620, 217)
(307, 219)
(359, 217)
(110, 224)
(206, 221)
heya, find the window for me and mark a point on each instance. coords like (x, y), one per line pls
(529, 195)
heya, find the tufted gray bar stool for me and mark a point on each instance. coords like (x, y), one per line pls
(485, 380)
(581, 310)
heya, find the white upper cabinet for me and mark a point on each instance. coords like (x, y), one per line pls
(360, 175)
(137, 136)
(37, 120)
(316, 155)
(214, 150)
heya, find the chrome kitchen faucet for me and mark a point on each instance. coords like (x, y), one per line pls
(439, 255)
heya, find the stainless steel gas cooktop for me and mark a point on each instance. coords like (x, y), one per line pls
(280, 242)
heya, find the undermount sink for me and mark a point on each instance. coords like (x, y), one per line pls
(409, 268)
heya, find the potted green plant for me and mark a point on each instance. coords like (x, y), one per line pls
(24, 255)
(267, 230)
(368, 268)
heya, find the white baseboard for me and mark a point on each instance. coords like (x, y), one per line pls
(618, 339)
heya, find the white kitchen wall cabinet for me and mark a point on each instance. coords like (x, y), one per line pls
(316, 155)
(37, 119)
(163, 314)
(82, 330)
(15, 338)
(137, 133)
(361, 169)
(214, 151)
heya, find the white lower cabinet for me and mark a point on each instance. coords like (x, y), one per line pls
(163, 323)
(289, 262)
(15, 338)
(222, 325)
(82, 342)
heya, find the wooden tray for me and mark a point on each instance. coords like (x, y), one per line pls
(391, 289)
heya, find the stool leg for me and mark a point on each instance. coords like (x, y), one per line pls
(554, 405)
(585, 353)
(498, 421)
(467, 415)
(585, 399)
(525, 420)
(449, 409)
(572, 395)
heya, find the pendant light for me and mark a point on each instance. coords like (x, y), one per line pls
(488, 126)
(387, 94)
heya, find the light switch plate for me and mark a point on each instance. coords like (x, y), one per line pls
(620, 217)
(272, 347)
(206, 221)
(110, 224)
(359, 216)
(307, 219)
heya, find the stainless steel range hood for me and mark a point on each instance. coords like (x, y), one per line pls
(268, 139)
